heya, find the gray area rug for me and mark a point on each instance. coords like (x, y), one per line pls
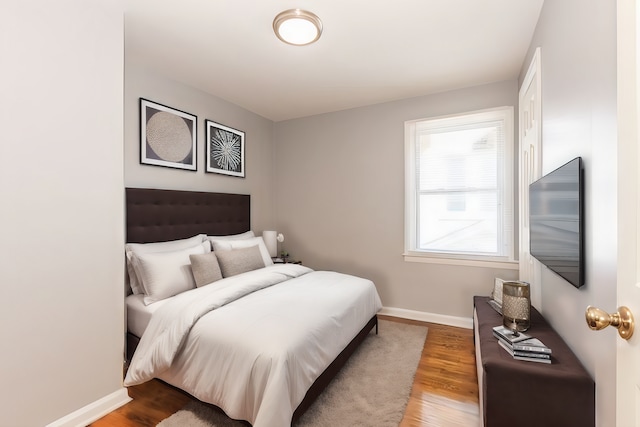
(372, 389)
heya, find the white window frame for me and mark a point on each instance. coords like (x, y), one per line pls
(412, 253)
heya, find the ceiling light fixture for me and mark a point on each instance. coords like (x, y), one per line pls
(297, 27)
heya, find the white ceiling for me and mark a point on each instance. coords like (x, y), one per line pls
(371, 51)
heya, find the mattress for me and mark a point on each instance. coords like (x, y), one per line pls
(139, 314)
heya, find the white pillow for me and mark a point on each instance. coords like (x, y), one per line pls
(227, 245)
(246, 235)
(147, 248)
(164, 274)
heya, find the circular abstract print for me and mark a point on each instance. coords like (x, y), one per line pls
(169, 136)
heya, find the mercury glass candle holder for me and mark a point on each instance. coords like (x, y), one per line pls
(516, 306)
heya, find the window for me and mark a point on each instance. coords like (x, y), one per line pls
(459, 185)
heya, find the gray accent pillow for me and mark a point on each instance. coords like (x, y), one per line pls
(240, 260)
(205, 268)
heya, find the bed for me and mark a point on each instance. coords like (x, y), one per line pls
(260, 344)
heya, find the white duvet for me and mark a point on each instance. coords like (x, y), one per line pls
(253, 344)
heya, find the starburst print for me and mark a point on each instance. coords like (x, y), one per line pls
(226, 150)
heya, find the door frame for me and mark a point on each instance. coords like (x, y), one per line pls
(530, 169)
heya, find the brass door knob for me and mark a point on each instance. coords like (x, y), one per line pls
(622, 320)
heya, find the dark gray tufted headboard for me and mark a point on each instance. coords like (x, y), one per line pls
(159, 215)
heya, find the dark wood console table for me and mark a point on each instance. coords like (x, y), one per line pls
(529, 394)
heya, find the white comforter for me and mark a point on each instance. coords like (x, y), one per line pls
(253, 344)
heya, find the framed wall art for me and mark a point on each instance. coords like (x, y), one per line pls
(225, 149)
(167, 136)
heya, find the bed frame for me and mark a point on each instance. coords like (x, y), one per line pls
(159, 215)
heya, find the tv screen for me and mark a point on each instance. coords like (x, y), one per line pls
(556, 221)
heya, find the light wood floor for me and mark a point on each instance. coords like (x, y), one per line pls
(444, 394)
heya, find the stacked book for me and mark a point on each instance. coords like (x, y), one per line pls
(522, 346)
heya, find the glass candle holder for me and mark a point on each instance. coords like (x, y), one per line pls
(516, 306)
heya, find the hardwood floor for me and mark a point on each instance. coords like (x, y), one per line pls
(444, 394)
(445, 388)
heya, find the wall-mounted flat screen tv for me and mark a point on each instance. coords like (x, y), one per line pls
(556, 215)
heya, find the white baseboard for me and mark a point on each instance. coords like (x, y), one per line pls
(459, 322)
(93, 411)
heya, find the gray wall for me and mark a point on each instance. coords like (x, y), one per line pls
(340, 193)
(258, 181)
(61, 183)
(578, 51)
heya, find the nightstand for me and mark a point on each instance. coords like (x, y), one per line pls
(287, 261)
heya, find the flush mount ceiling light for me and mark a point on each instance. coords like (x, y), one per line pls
(297, 27)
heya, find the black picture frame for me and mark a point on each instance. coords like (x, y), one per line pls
(167, 136)
(224, 150)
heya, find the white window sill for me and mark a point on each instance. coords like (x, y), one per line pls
(505, 265)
